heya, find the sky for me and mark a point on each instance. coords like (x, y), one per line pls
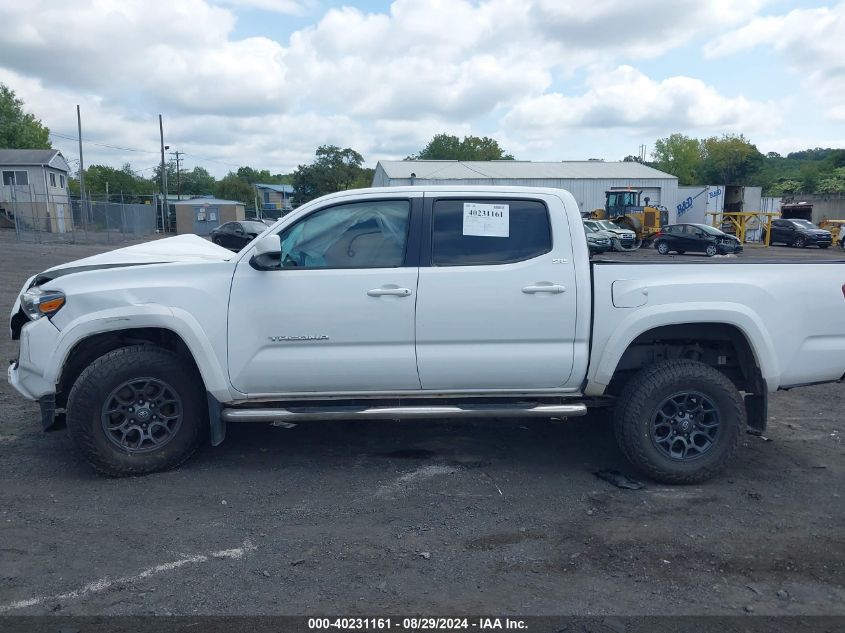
(265, 82)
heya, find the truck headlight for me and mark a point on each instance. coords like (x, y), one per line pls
(37, 303)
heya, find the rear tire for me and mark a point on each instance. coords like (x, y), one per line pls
(217, 241)
(824, 245)
(663, 248)
(799, 242)
(137, 410)
(706, 431)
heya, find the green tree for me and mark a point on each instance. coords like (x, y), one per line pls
(810, 176)
(263, 176)
(783, 187)
(832, 183)
(680, 156)
(170, 170)
(19, 129)
(730, 159)
(102, 179)
(448, 147)
(334, 169)
(197, 182)
(836, 158)
(233, 188)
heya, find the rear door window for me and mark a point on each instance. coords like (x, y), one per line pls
(483, 232)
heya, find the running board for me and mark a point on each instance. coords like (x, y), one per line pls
(407, 413)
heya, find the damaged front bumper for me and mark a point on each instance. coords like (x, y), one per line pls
(28, 373)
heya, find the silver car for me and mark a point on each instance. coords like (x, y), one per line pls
(622, 239)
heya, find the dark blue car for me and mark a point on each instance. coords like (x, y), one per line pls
(695, 238)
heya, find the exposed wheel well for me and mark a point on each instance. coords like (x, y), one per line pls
(719, 345)
(91, 348)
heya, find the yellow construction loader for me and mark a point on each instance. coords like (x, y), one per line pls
(837, 230)
(623, 207)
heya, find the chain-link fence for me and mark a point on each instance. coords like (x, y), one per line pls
(37, 217)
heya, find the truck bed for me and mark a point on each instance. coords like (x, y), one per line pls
(792, 314)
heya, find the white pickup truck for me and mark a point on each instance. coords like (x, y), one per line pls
(420, 303)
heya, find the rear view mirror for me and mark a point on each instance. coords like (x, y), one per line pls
(267, 253)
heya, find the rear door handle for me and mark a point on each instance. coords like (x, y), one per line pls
(394, 291)
(544, 287)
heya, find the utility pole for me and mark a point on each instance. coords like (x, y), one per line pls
(177, 154)
(163, 173)
(84, 212)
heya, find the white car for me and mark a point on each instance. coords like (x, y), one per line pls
(419, 302)
(623, 239)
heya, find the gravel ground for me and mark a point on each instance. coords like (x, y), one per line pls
(500, 516)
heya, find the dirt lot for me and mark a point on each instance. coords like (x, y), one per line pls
(500, 516)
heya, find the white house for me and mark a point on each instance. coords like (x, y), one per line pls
(34, 189)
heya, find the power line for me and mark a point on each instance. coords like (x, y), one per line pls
(144, 151)
(213, 160)
(125, 149)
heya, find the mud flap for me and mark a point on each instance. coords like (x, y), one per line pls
(217, 425)
(50, 420)
(757, 410)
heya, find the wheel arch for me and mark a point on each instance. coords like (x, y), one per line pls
(678, 325)
(89, 348)
(723, 346)
(89, 337)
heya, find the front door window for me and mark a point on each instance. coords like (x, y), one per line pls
(358, 235)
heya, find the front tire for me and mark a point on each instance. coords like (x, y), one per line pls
(679, 421)
(711, 251)
(663, 248)
(137, 410)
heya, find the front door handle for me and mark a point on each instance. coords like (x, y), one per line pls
(394, 291)
(544, 287)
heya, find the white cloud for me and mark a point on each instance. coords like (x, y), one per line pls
(382, 83)
(809, 41)
(642, 29)
(785, 145)
(289, 7)
(173, 55)
(626, 98)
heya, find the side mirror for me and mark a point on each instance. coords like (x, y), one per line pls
(267, 253)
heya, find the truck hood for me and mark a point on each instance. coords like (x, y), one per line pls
(180, 248)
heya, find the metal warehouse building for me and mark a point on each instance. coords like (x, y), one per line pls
(586, 180)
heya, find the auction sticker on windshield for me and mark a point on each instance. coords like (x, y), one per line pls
(486, 220)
